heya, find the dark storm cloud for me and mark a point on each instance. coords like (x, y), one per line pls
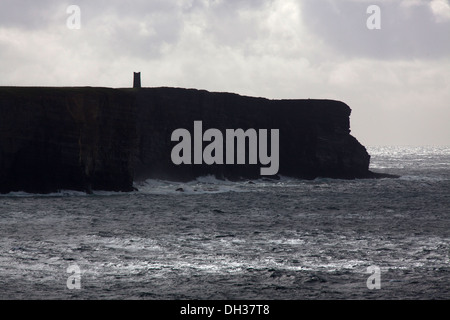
(140, 28)
(407, 31)
(136, 28)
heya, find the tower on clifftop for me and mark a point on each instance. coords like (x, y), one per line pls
(137, 80)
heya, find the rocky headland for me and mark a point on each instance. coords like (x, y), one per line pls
(85, 138)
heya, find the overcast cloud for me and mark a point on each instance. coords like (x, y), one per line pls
(396, 79)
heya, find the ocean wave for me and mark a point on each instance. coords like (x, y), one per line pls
(62, 193)
(201, 185)
(420, 178)
(210, 184)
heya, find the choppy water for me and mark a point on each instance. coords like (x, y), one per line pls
(288, 239)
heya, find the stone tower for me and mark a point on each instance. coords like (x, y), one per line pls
(137, 80)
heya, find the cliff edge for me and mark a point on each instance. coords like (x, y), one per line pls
(314, 135)
(88, 139)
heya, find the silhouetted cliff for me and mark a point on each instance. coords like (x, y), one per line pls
(66, 138)
(103, 139)
(314, 134)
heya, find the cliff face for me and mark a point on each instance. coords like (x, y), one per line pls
(103, 139)
(314, 139)
(66, 138)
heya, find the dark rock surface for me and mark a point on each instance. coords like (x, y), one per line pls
(103, 139)
(315, 138)
(66, 138)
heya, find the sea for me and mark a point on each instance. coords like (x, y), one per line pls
(208, 239)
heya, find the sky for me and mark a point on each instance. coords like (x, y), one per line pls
(390, 65)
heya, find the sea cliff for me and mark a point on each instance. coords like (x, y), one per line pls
(66, 138)
(85, 138)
